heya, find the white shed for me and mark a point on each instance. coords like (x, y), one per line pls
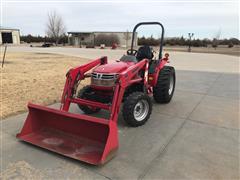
(9, 35)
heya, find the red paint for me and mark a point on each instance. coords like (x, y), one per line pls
(115, 67)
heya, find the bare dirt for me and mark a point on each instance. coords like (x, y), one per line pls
(33, 77)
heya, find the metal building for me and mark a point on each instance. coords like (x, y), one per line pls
(88, 38)
(9, 35)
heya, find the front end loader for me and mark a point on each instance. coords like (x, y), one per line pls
(132, 80)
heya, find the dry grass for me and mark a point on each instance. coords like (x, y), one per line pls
(33, 77)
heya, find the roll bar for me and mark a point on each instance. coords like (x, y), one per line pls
(149, 23)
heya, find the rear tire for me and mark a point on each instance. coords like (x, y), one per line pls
(164, 89)
(137, 109)
(87, 93)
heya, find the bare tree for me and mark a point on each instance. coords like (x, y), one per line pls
(55, 27)
(216, 39)
(218, 34)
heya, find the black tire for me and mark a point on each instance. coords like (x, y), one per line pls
(87, 93)
(131, 104)
(161, 92)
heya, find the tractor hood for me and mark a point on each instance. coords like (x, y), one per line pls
(116, 67)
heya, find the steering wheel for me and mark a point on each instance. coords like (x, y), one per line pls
(132, 52)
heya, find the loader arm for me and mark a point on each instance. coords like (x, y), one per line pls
(74, 75)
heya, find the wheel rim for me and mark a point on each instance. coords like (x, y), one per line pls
(141, 110)
(171, 85)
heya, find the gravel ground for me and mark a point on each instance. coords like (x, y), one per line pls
(33, 77)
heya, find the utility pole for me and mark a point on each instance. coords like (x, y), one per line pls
(4, 54)
(190, 35)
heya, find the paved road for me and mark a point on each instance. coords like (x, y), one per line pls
(79, 52)
(194, 136)
(181, 60)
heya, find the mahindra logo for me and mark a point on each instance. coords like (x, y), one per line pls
(99, 76)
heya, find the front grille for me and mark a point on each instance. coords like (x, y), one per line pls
(100, 79)
(104, 76)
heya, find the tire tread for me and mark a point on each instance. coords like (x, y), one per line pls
(160, 91)
(128, 108)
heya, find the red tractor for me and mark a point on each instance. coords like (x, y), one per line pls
(132, 80)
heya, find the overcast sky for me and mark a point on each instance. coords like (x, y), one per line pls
(206, 19)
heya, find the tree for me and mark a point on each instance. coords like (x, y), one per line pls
(216, 39)
(230, 45)
(182, 41)
(55, 26)
(235, 41)
(150, 41)
(215, 43)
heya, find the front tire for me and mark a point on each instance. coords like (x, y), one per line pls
(87, 93)
(164, 89)
(137, 109)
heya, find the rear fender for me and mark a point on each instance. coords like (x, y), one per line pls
(126, 78)
(158, 68)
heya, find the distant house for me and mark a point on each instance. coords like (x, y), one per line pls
(9, 35)
(76, 38)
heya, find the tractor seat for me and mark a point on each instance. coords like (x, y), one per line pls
(144, 52)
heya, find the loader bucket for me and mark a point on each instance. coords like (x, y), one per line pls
(85, 138)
